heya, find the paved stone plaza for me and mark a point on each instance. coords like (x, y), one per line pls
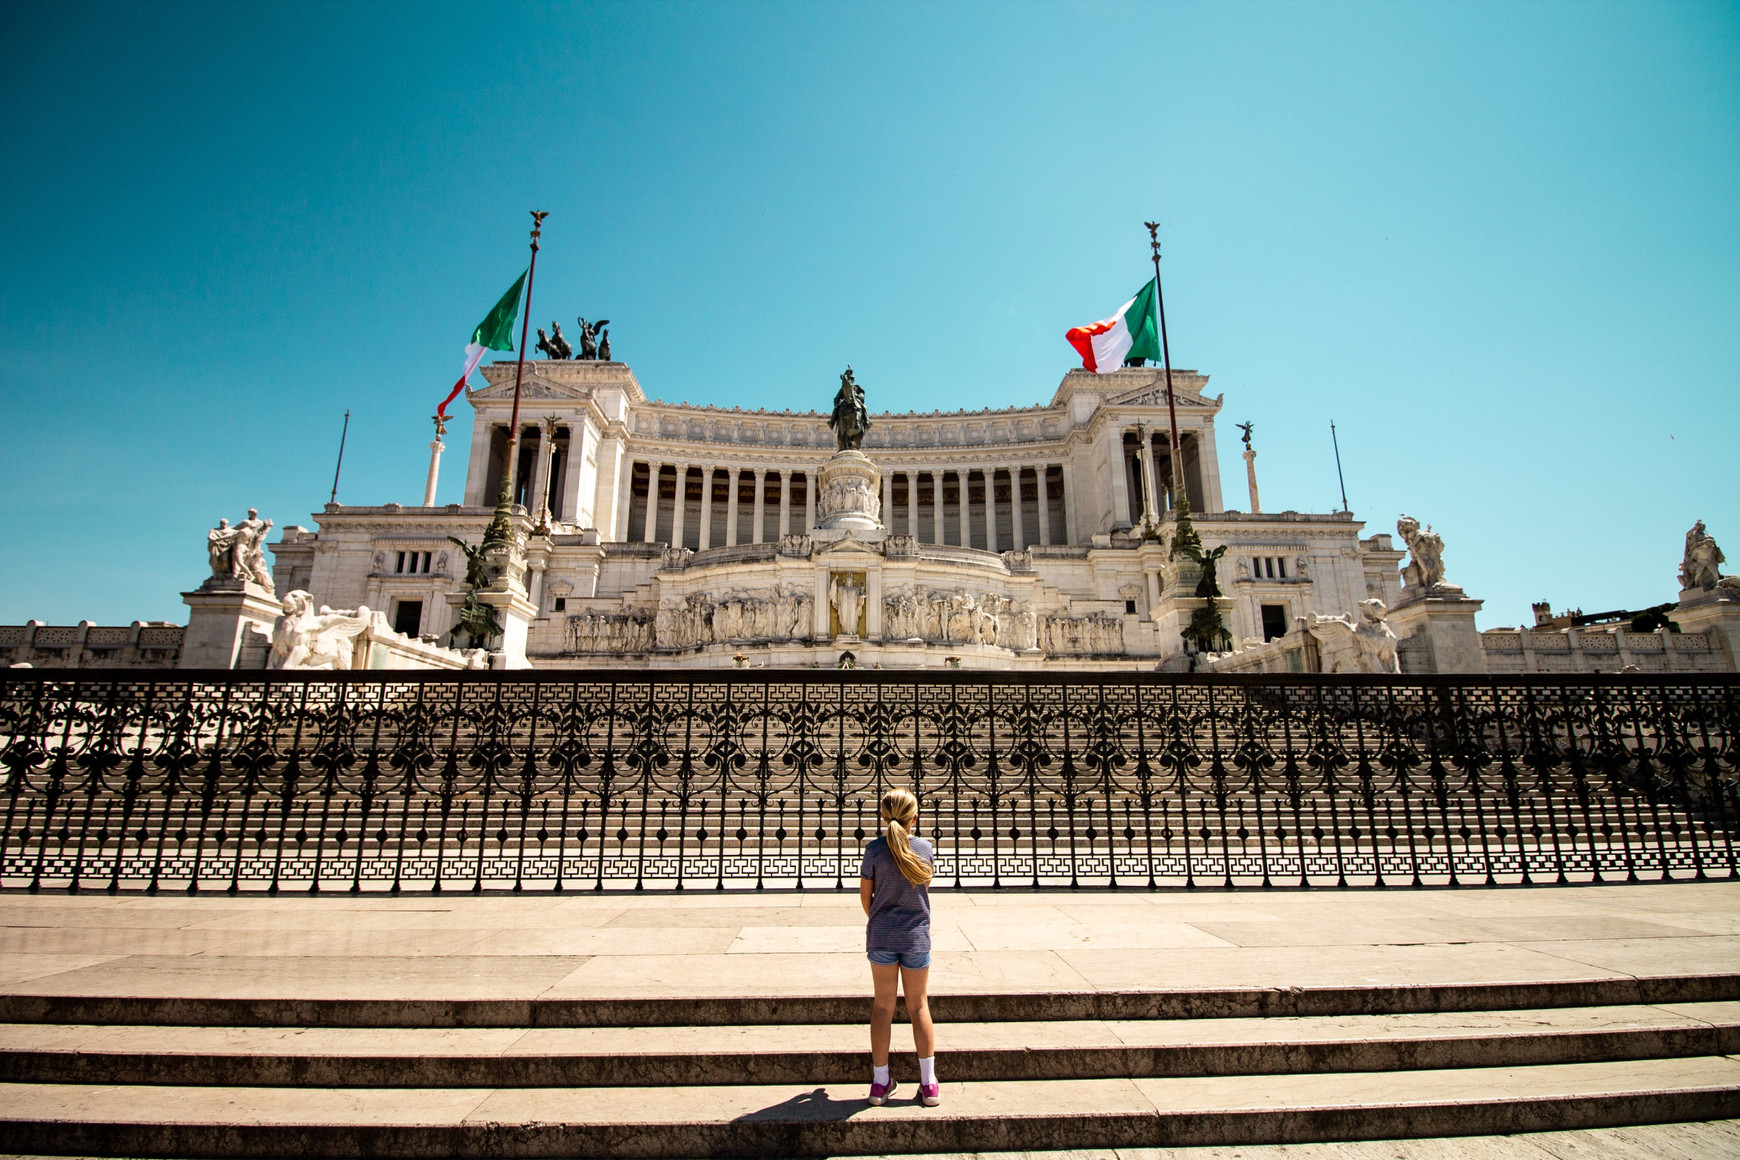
(704, 943)
(731, 1023)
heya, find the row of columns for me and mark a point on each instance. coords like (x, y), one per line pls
(650, 530)
(994, 541)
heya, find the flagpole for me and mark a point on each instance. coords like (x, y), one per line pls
(507, 478)
(340, 466)
(1180, 492)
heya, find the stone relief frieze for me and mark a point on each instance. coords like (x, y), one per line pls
(686, 622)
(610, 632)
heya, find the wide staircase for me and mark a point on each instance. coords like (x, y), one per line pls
(718, 1076)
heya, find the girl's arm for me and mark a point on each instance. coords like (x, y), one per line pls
(865, 886)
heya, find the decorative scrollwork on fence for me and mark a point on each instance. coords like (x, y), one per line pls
(525, 781)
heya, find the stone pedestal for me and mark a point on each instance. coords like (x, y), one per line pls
(1717, 613)
(1435, 633)
(849, 498)
(228, 618)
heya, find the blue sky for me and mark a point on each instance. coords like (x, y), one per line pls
(1498, 244)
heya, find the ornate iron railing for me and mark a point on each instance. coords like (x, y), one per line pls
(264, 781)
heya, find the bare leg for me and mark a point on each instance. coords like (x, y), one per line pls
(887, 978)
(915, 984)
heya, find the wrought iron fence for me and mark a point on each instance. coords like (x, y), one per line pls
(564, 781)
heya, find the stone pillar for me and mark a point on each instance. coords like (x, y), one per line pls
(706, 509)
(571, 475)
(784, 503)
(1071, 517)
(621, 498)
(1042, 473)
(1116, 460)
(823, 610)
(435, 450)
(873, 601)
(679, 506)
(989, 475)
(1150, 491)
(936, 478)
(731, 507)
(225, 614)
(1208, 468)
(546, 464)
(760, 504)
(651, 525)
(1715, 612)
(477, 469)
(1436, 634)
(888, 500)
(809, 502)
(1251, 478)
(1016, 522)
(536, 444)
(912, 504)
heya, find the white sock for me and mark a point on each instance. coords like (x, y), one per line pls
(879, 1074)
(927, 1070)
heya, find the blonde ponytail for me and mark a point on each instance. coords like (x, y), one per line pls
(899, 815)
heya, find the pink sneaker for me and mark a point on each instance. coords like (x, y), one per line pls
(880, 1093)
(930, 1094)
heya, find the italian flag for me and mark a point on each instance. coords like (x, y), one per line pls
(495, 332)
(1130, 333)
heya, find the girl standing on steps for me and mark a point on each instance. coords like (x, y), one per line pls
(894, 887)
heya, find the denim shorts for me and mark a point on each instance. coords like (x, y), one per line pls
(911, 960)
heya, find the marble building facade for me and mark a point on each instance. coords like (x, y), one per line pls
(663, 534)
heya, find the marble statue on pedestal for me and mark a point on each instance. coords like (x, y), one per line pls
(1425, 570)
(239, 552)
(1365, 646)
(848, 601)
(1701, 565)
(305, 639)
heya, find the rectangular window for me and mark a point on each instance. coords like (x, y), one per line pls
(1274, 621)
(408, 617)
(414, 563)
(400, 566)
(1129, 608)
(561, 604)
(1281, 566)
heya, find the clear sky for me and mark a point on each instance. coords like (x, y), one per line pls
(1497, 243)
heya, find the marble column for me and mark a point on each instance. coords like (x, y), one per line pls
(784, 503)
(1042, 474)
(989, 475)
(1071, 517)
(809, 502)
(888, 500)
(621, 498)
(1118, 460)
(706, 540)
(937, 506)
(912, 504)
(760, 504)
(546, 465)
(571, 512)
(731, 507)
(679, 504)
(477, 467)
(873, 599)
(1017, 525)
(651, 524)
(1150, 493)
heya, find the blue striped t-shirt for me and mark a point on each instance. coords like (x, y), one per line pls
(899, 911)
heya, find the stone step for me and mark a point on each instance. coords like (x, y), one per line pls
(756, 1010)
(806, 1120)
(824, 1054)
